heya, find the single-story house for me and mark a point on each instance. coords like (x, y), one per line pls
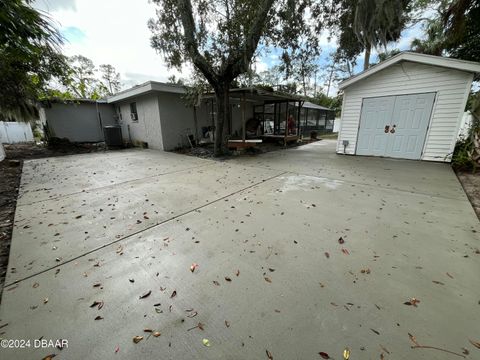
(409, 106)
(79, 120)
(155, 115)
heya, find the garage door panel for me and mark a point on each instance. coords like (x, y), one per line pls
(411, 116)
(407, 116)
(376, 113)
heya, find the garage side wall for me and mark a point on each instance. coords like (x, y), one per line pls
(452, 88)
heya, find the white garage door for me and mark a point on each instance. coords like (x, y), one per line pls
(394, 126)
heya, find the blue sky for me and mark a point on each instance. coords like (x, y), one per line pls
(115, 32)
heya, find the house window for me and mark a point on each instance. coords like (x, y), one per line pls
(133, 111)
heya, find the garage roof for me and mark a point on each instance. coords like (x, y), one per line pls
(463, 65)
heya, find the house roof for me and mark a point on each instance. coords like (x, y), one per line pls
(463, 65)
(308, 104)
(145, 88)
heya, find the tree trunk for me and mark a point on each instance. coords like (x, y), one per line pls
(366, 62)
(223, 115)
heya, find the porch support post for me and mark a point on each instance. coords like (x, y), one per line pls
(243, 117)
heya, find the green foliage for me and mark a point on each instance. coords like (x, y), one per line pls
(82, 81)
(29, 58)
(467, 151)
(111, 79)
(454, 29)
(334, 103)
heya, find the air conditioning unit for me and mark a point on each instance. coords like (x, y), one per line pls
(134, 116)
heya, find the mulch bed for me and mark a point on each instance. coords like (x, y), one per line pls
(471, 184)
(10, 175)
(206, 151)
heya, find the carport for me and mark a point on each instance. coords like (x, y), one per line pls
(409, 106)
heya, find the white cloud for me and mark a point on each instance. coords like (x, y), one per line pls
(116, 33)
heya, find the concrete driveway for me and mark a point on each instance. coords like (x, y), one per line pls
(103, 246)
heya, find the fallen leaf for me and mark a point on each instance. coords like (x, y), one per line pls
(156, 334)
(147, 330)
(345, 251)
(475, 343)
(269, 355)
(227, 324)
(45, 300)
(271, 270)
(147, 294)
(412, 302)
(99, 318)
(227, 278)
(465, 351)
(384, 349)
(216, 282)
(450, 276)
(49, 357)
(237, 273)
(267, 279)
(193, 267)
(341, 241)
(327, 255)
(35, 285)
(119, 249)
(412, 339)
(382, 357)
(137, 339)
(346, 354)
(193, 314)
(117, 349)
(99, 304)
(324, 355)
(206, 342)
(174, 293)
(200, 326)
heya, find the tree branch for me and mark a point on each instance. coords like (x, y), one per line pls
(238, 62)
(191, 45)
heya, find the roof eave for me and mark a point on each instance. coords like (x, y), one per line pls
(456, 64)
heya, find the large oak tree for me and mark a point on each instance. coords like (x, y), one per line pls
(221, 37)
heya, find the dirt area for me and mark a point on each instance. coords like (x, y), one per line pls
(11, 171)
(471, 185)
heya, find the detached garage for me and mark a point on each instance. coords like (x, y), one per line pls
(409, 107)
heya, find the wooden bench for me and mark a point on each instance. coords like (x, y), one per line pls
(240, 144)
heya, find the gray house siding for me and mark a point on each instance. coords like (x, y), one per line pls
(147, 128)
(78, 122)
(177, 120)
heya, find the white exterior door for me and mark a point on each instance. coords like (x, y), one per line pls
(395, 126)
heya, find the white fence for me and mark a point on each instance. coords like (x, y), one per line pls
(15, 132)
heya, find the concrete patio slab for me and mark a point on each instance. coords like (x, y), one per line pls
(285, 295)
(51, 232)
(76, 173)
(319, 159)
